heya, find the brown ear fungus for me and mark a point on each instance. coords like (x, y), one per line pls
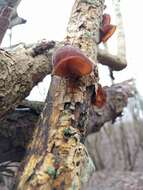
(107, 30)
(99, 99)
(106, 19)
(69, 61)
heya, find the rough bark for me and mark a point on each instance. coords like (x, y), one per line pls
(11, 77)
(104, 148)
(20, 71)
(57, 158)
(24, 119)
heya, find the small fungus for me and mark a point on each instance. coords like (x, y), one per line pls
(106, 19)
(107, 29)
(107, 32)
(99, 99)
(70, 62)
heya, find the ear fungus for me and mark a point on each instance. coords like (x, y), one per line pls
(99, 99)
(69, 62)
(106, 19)
(107, 30)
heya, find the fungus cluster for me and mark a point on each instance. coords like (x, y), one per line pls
(107, 29)
(69, 62)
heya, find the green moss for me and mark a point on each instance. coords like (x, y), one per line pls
(87, 34)
(51, 171)
(68, 132)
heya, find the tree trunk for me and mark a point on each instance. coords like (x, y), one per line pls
(57, 157)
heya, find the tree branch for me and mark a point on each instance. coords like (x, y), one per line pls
(5, 14)
(20, 71)
(117, 98)
(114, 62)
(9, 16)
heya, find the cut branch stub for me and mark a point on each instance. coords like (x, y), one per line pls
(69, 62)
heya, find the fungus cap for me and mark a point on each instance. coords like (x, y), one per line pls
(106, 19)
(100, 97)
(69, 61)
(108, 31)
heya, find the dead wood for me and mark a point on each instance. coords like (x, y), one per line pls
(56, 157)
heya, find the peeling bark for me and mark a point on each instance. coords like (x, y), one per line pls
(24, 119)
(57, 158)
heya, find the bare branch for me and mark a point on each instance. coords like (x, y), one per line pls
(5, 14)
(9, 16)
(20, 71)
(114, 62)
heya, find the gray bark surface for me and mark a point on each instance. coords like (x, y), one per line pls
(19, 73)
